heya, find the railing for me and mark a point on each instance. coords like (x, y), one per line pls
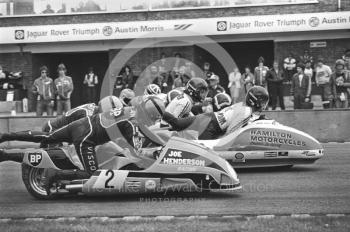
(10, 8)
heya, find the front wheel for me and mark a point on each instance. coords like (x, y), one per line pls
(33, 180)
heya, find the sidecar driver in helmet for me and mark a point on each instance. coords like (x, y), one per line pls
(227, 120)
(195, 91)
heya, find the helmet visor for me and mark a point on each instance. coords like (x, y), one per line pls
(127, 100)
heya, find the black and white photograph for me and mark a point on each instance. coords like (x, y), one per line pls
(175, 115)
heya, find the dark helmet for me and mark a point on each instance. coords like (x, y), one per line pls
(197, 88)
(257, 97)
(221, 101)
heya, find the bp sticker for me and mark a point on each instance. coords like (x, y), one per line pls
(35, 158)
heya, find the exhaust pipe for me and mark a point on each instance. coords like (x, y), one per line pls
(74, 187)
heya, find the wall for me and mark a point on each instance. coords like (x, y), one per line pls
(326, 126)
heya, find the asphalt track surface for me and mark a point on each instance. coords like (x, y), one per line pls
(323, 187)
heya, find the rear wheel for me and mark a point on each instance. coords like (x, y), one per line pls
(33, 180)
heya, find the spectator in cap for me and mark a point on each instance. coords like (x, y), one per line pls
(43, 89)
(260, 73)
(323, 75)
(340, 83)
(301, 87)
(289, 66)
(213, 89)
(214, 86)
(91, 82)
(63, 89)
(235, 85)
(275, 77)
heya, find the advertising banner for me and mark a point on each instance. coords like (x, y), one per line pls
(202, 26)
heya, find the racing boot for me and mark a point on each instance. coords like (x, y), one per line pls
(29, 136)
(50, 176)
(16, 157)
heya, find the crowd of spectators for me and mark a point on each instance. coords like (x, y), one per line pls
(295, 76)
(296, 79)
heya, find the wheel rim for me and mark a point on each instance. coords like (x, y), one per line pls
(36, 182)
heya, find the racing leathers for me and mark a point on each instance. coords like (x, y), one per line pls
(180, 106)
(212, 125)
(71, 116)
(88, 132)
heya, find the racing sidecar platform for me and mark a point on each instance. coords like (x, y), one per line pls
(179, 166)
(266, 143)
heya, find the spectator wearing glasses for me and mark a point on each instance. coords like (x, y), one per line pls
(43, 88)
(64, 89)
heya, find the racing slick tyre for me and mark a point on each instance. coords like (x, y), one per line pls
(32, 179)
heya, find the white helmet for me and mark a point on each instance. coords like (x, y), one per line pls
(109, 103)
(126, 95)
(152, 89)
